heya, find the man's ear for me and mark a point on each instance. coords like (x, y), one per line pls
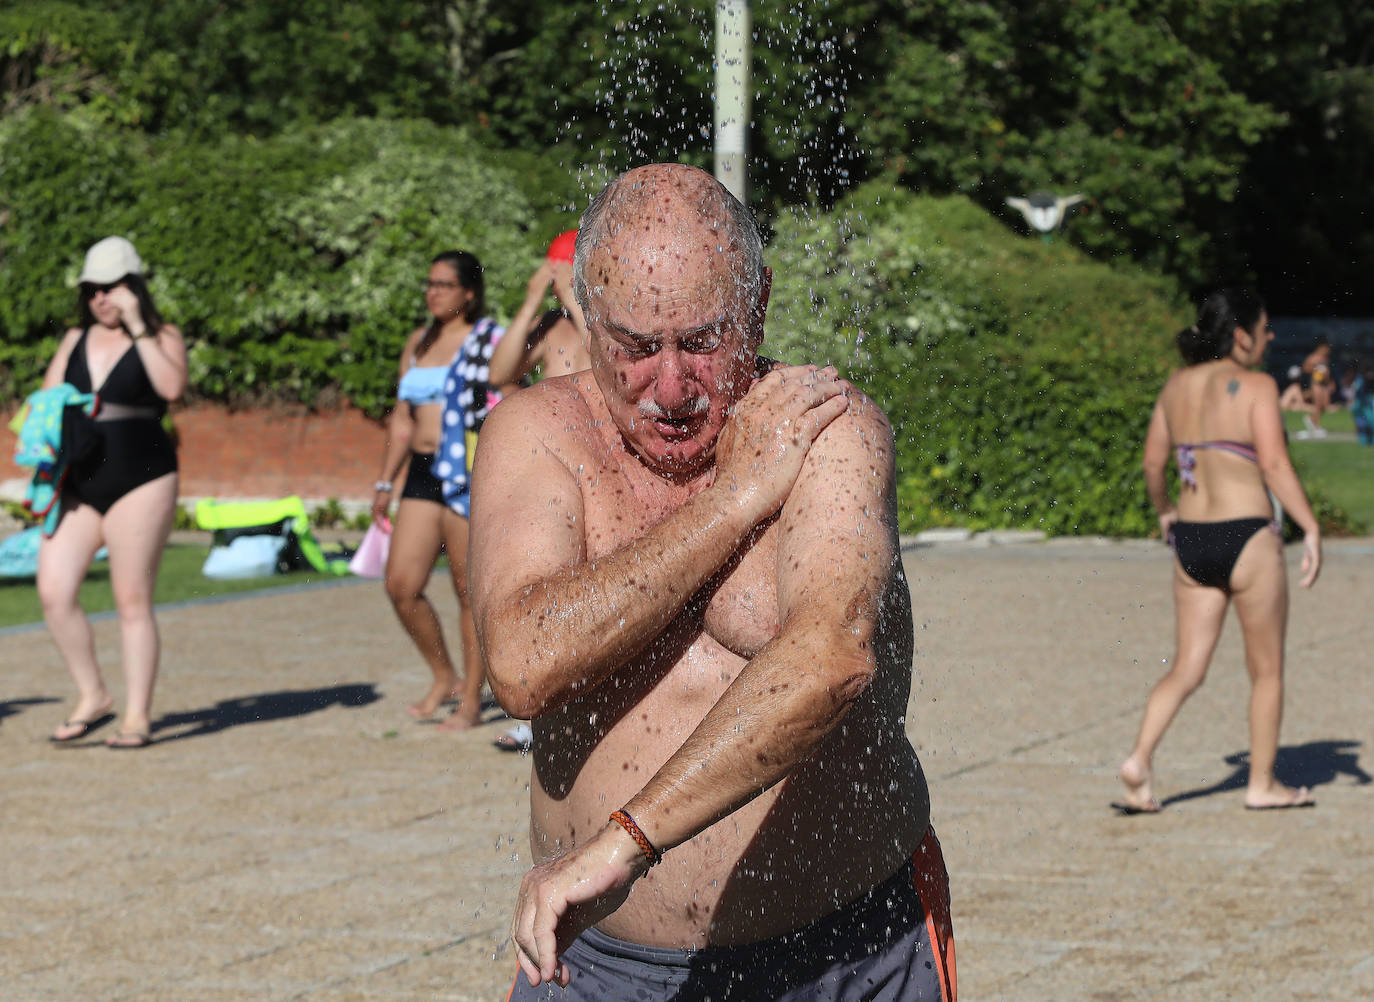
(765, 290)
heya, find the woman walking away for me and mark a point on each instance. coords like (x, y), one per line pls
(1222, 422)
(121, 485)
(424, 525)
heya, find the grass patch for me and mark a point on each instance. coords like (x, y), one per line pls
(1335, 421)
(1343, 471)
(179, 580)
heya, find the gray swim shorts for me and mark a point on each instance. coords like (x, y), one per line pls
(894, 944)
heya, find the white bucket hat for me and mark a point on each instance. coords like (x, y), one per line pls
(110, 260)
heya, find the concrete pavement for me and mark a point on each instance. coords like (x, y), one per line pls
(293, 835)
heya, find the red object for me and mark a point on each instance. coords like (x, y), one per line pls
(623, 819)
(562, 247)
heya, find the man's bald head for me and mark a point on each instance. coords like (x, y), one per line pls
(664, 202)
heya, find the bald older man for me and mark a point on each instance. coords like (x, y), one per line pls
(685, 570)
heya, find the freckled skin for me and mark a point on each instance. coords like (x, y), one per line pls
(746, 677)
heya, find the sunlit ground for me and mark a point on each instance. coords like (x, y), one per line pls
(293, 834)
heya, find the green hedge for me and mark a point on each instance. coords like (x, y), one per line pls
(291, 263)
(1019, 375)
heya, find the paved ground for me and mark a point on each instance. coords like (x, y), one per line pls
(292, 835)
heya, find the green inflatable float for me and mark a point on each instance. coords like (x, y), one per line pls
(256, 537)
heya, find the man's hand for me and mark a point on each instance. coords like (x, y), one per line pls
(764, 443)
(562, 898)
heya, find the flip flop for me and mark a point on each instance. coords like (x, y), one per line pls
(519, 738)
(87, 726)
(124, 742)
(1300, 802)
(1130, 810)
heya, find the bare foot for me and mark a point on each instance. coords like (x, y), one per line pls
(439, 694)
(459, 720)
(1139, 797)
(1276, 796)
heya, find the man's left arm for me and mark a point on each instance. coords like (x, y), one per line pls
(837, 553)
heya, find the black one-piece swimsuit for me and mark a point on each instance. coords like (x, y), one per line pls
(112, 456)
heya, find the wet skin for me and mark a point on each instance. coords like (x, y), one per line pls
(688, 576)
(840, 822)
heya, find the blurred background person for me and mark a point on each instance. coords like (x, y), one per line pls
(1316, 367)
(424, 526)
(1222, 422)
(121, 485)
(552, 341)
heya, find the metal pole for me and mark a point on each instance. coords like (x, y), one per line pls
(732, 95)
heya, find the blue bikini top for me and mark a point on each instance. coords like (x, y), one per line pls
(423, 385)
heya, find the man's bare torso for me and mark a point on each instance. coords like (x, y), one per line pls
(841, 823)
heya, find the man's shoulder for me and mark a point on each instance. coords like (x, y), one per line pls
(550, 409)
(862, 420)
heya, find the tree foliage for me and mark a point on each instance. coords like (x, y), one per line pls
(1213, 138)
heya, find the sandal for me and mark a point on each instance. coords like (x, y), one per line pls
(136, 739)
(86, 727)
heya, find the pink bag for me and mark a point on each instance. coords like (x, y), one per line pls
(370, 559)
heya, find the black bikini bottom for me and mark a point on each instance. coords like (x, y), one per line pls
(421, 483)
(118, 457)
(1208, 551)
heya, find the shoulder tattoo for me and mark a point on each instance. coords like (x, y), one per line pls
(1233, 387)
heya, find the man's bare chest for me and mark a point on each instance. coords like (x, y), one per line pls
(737, 608)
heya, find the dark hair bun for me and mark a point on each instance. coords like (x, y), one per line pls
(1218, 316)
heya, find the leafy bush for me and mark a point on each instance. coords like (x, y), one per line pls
(1018, 375)
(292, 264)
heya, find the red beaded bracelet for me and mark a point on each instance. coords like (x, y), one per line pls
(628, 823)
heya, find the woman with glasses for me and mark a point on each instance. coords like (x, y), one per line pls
(1221, 421)
(120, 489)
(424, 525)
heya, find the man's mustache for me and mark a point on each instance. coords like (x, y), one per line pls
(697, 405)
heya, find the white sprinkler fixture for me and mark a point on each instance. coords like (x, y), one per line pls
(732, 95)
(1043, 210)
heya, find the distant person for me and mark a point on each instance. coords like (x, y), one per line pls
(1295, 395)
(121, 485)
(1222, 422)
(554, 341)
(424, 525)
(1317, 368)
(685, 569)
(1362, 402)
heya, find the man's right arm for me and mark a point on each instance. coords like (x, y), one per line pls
(550, 621)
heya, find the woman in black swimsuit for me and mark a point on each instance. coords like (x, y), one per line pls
(1222, 422)
(121, 484)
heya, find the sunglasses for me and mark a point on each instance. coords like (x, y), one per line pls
(107, 287)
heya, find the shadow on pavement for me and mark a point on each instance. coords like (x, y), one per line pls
(12, 707)
(262, 707)
(1311, 765)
